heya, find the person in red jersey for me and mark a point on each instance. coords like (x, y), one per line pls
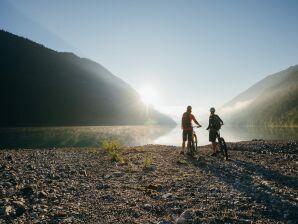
(186, 125)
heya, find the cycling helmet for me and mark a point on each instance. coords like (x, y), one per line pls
(212, 109)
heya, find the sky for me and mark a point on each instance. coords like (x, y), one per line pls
(188, 52)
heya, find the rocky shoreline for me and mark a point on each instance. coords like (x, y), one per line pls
(154, 184)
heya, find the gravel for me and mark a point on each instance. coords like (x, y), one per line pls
(259, 183)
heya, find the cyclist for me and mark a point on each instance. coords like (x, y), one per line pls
(187, 128)
(215, 124)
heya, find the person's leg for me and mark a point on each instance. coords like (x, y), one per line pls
(183, 145)
(217, 136)
(183, 141)
(212, 139)
(188, 143)
(189, 139)
(214, 147)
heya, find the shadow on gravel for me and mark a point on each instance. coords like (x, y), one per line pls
(268, 174)
(240, 175)
(263, 147)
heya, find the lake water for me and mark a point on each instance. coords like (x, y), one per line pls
(49, 137)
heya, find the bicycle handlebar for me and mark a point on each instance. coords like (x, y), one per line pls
(197, 126)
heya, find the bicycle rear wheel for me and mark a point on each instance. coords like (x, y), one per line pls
(223, 147)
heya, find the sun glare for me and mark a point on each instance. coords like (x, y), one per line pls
(148, 95)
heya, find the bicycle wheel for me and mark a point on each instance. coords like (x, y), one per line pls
(195, 142)
(191, 149)
(223, 147)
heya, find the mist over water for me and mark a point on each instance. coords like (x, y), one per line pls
(53, 137)
(231, 134)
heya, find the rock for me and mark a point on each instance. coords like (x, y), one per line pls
(20, 207)
(30, 167)
(188, 214)
(181, 220)
(182, 162)
(102, 186)
(33, 215)
(69, 220)
(108, 198)
(8, 211)
(8, 158)
(27, 191)
(157, 187)
(185, 217)
(60, 214)
(158, 210)
(147, 207)
(167, 195)
(135, 214)
(150, 168)
(2, 211)
(42, 194)
(118, 174)
(7, 184)
(107, 176)
(83, 173)
(165, 222)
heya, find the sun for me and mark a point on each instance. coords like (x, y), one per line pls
(148, 95)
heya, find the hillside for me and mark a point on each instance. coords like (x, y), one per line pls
(271, 102)
(42, 87)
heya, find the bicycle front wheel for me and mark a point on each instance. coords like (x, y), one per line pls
(195, 141)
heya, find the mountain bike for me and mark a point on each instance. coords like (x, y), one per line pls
(223, 149)
(193, 145)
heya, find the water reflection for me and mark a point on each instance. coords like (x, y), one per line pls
(127, 135)
(48, 137)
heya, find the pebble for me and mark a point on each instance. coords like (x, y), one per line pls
(167, 195)
(74, 186)
(118, 174)
(101, 186)
(151, 168)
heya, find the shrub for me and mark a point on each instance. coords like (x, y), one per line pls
(148, 160)
(114, 150)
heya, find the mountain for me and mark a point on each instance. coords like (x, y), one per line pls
(42, 87)
(272, 101)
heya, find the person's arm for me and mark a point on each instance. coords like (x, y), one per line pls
(208, 125)
(195, 120)
(220, 120)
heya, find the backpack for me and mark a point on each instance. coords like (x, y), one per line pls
(186, 122)
(215, 122)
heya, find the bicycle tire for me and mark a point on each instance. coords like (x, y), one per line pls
(223, 147)
(191, 148)
(195, 142)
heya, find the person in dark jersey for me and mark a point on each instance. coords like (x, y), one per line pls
(215, 124)
(186, 125)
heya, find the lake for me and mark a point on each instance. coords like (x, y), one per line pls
(50, 137)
